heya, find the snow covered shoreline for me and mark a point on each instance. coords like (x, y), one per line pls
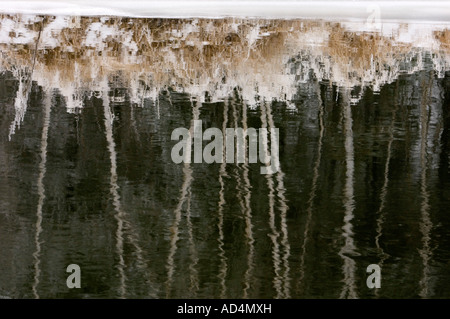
(389, 11)
(266, 58)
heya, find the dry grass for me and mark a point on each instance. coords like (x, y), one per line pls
(204, 53)
(444, 39)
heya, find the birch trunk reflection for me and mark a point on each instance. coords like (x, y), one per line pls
(41, 192)
(349, 248)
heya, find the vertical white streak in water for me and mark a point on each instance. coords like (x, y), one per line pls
(109, 118)
(239, 195)
(312, 194)
(124, 225)
(192, 248)
(184, 193)
(244, 201)
(248, 213)
(349, 267)
(274, 235)
(222, 173)
(174, 231)
(141, 261)
(283, 209)
(425, 222)
(41, 192)
(380, 213)
(383, 194)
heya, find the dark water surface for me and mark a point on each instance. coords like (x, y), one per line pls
(362, 182)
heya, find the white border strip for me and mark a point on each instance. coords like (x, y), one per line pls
(426, 11)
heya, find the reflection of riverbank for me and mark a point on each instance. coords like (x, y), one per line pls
(363, 156)
(209, 58)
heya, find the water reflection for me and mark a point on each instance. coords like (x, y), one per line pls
(280, 190)
(192, 248)
(381, 213)
(349, 248)
(425, 220)
(221, 206)
(312, 194)
(362, 166)
(185, 197)
(248, 213)
(41, 192)
(274, 232)
(109, 120)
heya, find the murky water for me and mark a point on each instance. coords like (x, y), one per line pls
(87, 109)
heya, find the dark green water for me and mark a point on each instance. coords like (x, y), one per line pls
(360, 184)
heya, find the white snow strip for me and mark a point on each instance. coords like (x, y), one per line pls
(426, 11)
